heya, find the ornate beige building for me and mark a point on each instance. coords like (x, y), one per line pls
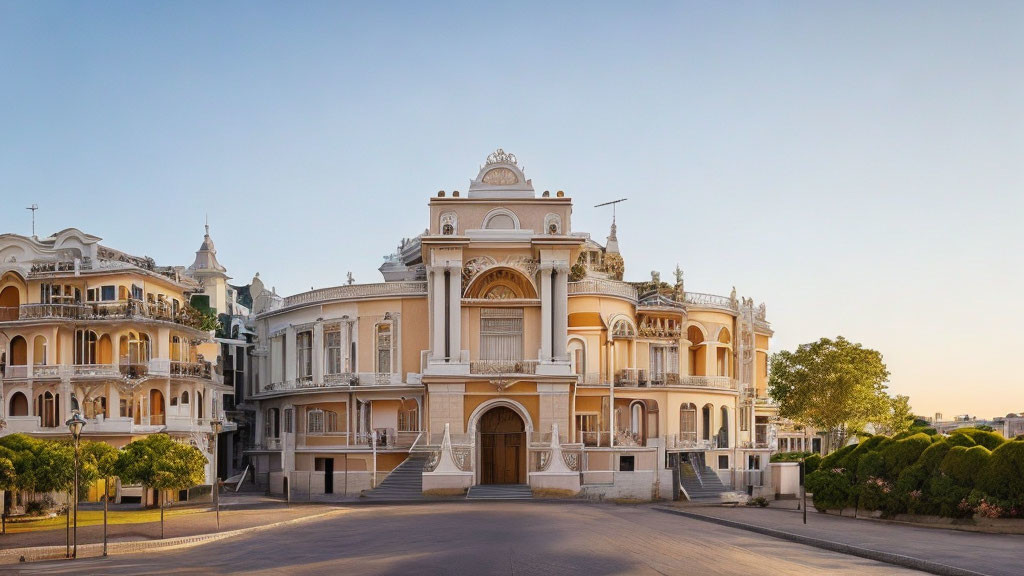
(505, 348)
(114, 335)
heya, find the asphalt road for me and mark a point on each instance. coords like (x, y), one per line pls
(514, 538)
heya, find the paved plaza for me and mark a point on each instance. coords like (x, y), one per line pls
(519, 538)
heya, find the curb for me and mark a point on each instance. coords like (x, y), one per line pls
(877, 555)
(38, 553)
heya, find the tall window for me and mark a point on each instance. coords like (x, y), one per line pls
(688, 423)
(333, 357)
(304, 354)
(664, 360)
(408, 418)
(501, 334)
(85, 347)
(384, 348)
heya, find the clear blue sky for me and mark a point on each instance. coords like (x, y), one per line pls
(858, 166)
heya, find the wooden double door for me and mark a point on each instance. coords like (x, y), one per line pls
(502, 447)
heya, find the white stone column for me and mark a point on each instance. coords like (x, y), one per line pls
(545, 312)
(455, 312)
(318, 353)
(437, 311)
(561, 311)
(289, 354)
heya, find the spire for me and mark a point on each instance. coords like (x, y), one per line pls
(206, 256)
(612, 247)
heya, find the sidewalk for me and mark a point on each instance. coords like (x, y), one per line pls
(256, 512)
(937, 551)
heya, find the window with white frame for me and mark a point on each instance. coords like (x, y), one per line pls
(408, 418)
(501, 334)
(333, 358)
(304, 354)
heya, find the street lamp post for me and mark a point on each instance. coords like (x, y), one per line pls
(75, 425)
(216, 426)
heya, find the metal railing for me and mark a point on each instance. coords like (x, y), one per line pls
(503, 367)
(626, 377)
(112, 310)
(702, 300)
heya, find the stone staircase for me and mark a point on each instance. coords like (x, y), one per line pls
(405, 482)
(500, 492)
(706, 490)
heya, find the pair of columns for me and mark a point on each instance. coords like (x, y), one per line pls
(554, 310)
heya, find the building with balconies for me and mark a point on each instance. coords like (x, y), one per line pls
(84, 326)
(504, 348)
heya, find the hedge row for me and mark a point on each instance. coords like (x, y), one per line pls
(966, 473)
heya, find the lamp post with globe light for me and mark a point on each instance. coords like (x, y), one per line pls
(75, 425)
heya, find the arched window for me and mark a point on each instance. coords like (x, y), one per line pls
(706, 413)
(622, 328)
(18, 405)
(501, 219)
(39, 350)
(688, 423)
(698, 359)
(19, 351)
(320, 421)
(578, 356)
(85, 347)
(199, 405)
(184, 397)
(723, 432)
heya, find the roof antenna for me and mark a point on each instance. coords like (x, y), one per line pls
(33, 208)
(613, 203)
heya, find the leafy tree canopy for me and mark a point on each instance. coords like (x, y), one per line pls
(831, 385)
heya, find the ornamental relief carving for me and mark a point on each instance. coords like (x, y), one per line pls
(474, 266)
(500, 177)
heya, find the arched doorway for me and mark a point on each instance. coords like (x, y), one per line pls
(502, 447)
(10, 300)
(19, 405)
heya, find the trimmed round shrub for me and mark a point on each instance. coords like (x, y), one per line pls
(833, 459)
(946, 498)
(870, 465)
(986, 438)
(932, 456)
(831, 488)
(961, 440)
(1003, 476)
(812, 463)
(964, 465)
(903, 453)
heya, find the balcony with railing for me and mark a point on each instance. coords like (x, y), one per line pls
(496, 367)
(602, 287)
(627, 377)
(109, 310)
(701, 300)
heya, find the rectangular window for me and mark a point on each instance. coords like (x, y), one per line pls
(745, 418)
(136, 292)
(664, 361)
(408, 419)
(723, 462)
(501, 334)
(384, 348)
(332, 340)
(288, 417)
(304, 354)
(108, 293)
(627, 463)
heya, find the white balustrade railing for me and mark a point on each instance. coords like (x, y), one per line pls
(702, 300)
(358, 291)
(600, 286)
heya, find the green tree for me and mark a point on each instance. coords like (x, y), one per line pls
(158, 462)
(833, 385)
(898, 416)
